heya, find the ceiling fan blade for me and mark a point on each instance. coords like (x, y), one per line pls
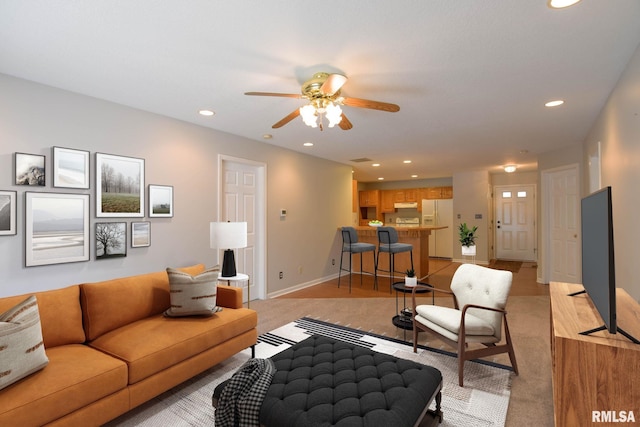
(374, 105)
(295, 113)
(286, 95)
(333, 84)
(345, 124)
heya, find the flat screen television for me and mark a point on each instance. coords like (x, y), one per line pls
(598, 261)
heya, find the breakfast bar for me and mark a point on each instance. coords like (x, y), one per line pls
(416, 236)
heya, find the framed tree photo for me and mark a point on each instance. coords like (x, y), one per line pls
(7, 213)
(70, 168)
(140, 234)
(119, 186)
(111, 240)
(56, 228)
(30, 169)
(160, 201)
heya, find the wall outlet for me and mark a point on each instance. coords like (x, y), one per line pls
(281, 275)
(333, 261)
(299, 269)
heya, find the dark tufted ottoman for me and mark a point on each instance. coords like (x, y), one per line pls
(324, 382)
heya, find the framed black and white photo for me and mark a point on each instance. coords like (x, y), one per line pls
(7, 213)
(119, 186)
(56, 228)
(140, 234)
(30, 169)
(111, 240)
(160, 201)
(70, 168)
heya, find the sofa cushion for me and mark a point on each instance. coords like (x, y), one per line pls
(60, 315)
(114, 303)
(76, 376)
(21, 345)
(192, 295)
(174, 339)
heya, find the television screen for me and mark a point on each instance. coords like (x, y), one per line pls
(598, 268)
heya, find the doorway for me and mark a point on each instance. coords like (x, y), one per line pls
(515, 219)
(242, 198)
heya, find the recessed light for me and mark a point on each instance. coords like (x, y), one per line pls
(308, 144)
(375, 165)
(381, 179)
(554, 103)
(560, 4)
(267, 136)
(406, 161)
(414, 176)
(206, 113)
(510, 168)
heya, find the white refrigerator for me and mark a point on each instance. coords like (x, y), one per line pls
(439, 213)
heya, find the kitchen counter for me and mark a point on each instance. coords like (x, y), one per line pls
(416, 236)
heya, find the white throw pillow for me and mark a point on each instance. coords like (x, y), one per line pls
(21, 345)
(192, 295)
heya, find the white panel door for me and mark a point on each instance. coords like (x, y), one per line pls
(515, 216)
(239, 203)
(564, 227)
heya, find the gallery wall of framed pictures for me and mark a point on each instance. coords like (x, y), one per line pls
(58, 225)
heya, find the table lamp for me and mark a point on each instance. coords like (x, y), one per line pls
(228, 236)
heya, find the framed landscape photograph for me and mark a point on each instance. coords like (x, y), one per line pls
(140, 234)
(70, 168)
(160, 201)
(119, 186)
(56, 228)
(30, 169)
(111, 240)
(7, 213)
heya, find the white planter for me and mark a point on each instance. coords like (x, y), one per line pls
(469, 250)
(410, 281)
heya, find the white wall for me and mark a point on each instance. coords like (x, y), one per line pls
(316, 192)
(471, 197)
(618, 130)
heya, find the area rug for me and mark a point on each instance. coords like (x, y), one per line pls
(483, 401)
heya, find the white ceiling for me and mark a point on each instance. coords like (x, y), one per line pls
(470, 76)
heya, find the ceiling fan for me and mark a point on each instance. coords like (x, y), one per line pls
(323, 93)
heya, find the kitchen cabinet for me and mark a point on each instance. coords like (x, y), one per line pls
(387, 200)
(437, 193)
(369, 198)
(354, 196)
(405, 195)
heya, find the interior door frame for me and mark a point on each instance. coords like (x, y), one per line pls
(260, 221)
(544, 270)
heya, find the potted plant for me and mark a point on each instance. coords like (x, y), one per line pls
(467, 239)
(410, 279)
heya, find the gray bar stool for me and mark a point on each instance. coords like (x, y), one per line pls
(388, 242)
(351, 246)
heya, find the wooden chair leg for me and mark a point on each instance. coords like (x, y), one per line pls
(461, 359)
(512, 354)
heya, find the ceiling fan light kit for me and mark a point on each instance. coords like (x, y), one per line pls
(323, 93)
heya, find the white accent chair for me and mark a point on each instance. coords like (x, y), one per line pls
(480, 296)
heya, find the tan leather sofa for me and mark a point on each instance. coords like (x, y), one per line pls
(111, 349)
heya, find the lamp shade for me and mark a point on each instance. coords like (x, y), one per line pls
(228, 235)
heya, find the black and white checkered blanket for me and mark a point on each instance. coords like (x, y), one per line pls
(241, 399)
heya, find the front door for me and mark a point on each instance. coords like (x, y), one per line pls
(515, 222)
